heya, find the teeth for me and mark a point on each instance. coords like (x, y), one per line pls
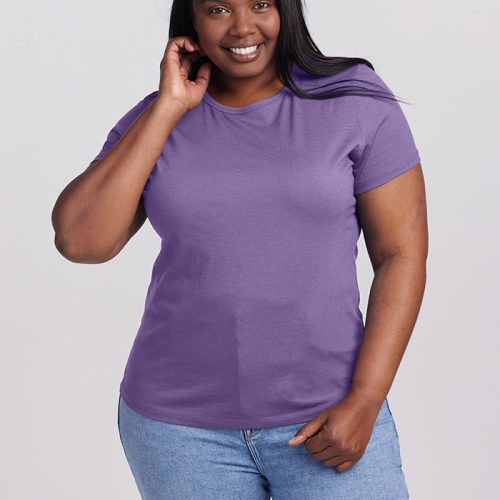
(246, 50)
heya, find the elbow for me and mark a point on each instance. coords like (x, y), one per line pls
(67, 249)
(83, 246)
(79, 255)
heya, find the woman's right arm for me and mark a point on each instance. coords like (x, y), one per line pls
(100, 210)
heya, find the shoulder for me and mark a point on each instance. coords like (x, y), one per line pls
(365, 72)
(364, 77)
(133, 112)
(152, 95)
(358, 74)
(376, 105)
(372, 80)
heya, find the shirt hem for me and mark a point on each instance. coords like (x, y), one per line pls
(376, 181)
(225, 423)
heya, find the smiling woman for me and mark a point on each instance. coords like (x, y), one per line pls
(240, 39)
(258, 172)
(280, 40)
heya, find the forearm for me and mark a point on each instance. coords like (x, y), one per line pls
(96, 210)
(395, 298)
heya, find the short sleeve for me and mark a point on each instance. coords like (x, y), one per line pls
(123, 124)
(388, 147)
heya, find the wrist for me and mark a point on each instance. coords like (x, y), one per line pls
(371, 395)
(169, 106)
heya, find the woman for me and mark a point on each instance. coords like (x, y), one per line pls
(252, 374)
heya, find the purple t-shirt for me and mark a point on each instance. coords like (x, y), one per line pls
(252, 315)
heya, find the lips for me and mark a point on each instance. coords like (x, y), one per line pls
(244, 58)
(242, 46)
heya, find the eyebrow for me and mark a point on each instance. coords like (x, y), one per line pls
(200, 2)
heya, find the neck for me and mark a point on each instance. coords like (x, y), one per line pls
(241, 90)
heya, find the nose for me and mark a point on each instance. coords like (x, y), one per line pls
(242, 25)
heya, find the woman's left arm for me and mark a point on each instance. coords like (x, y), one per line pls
(394, 222)
(393, 217)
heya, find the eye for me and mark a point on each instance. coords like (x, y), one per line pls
(213, 9)
(210, 11)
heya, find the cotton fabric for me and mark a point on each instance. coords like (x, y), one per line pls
(251, 317)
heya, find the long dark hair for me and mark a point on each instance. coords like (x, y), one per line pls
(294, 44)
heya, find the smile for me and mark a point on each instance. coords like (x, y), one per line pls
(244, 53)
(244, 50)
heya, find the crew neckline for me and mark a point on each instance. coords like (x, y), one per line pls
(249, 107)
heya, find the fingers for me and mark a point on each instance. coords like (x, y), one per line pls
(320, 441)
(189, 58)
(326, 448)
(196, 52)
(173, 50)
(307, 432)
(178, 47)
(203, 76)
(330, 453)
(184, 51)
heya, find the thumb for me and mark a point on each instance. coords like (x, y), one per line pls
(203, 75)
(307, 431)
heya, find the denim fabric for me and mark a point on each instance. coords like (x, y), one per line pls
(179, 462)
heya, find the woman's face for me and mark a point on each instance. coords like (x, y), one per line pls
(238, 23)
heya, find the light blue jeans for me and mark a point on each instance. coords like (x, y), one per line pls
(179, 462)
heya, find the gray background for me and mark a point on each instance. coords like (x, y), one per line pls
(70, 70)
